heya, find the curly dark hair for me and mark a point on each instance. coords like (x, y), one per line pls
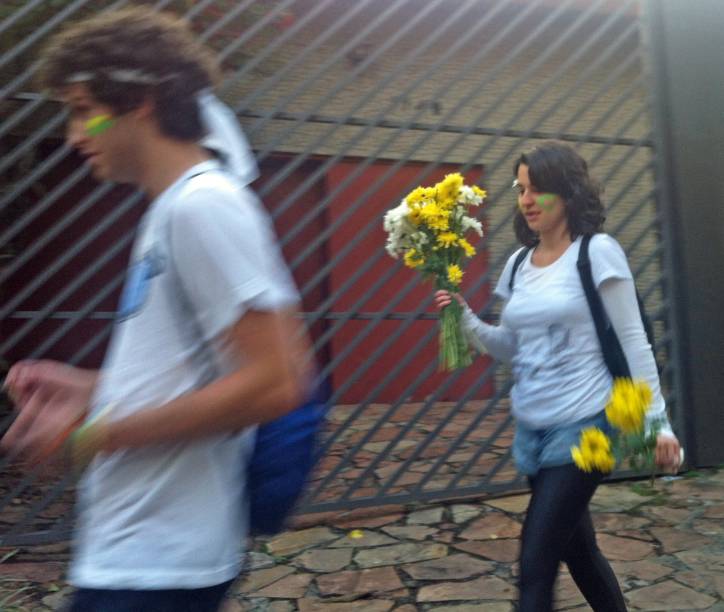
(556, 168)
(136, 38)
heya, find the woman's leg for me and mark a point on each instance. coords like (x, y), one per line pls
(559, 500)
(591, 571)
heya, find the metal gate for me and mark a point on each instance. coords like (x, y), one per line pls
(348, 104)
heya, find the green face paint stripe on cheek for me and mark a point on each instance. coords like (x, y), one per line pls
(546, 201)
(98, 125)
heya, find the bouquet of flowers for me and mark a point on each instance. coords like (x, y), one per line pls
(428, 229)
(626, 412)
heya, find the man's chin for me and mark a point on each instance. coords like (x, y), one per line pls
(100, 175)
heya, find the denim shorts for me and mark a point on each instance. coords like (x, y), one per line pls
(534, 449)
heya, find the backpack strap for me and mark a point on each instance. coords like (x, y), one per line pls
(613, 354)
(516, 264)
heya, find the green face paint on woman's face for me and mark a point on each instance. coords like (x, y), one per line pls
(546, 201)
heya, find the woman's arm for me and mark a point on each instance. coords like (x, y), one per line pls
(619, 300)
(497, 340)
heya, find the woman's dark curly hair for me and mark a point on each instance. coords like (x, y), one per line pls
(136, 38)
(556, 168)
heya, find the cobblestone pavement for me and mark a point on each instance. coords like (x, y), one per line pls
(666, 545)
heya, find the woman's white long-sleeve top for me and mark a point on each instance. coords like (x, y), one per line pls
(547, 334)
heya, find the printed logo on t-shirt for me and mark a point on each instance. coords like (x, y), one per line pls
(138, 283)
(552, 352)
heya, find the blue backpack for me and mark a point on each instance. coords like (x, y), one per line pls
(284, 454)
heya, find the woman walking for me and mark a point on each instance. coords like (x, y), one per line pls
(561, 381)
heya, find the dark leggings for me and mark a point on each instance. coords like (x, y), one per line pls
(557, 528)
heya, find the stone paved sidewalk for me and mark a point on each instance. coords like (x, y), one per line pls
(666, 545)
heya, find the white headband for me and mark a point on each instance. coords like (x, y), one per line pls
(121, 75)
(223, 132)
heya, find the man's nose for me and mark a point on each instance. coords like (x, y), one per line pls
(75, 133)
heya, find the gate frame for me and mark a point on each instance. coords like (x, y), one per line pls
(687, 98)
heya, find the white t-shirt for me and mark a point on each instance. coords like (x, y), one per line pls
(173, 515)
(558, 368)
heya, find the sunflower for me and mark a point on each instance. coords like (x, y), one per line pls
(627, 407)
(594, 451)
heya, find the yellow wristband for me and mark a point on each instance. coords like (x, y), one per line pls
(87, 440)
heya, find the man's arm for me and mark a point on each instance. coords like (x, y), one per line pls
(271, 380)
(52, 399)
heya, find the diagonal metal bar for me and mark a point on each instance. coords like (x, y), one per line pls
(49, 496)
(41, 31)
(60, 532)
(349, 78)
(21, 12)
(29, 253)
(31, 141)
(97, 340)
(79, 315)
(233, 14)
(105, 224)
(298, 60)
(44, 205)
(424, 410)
(433, 435)
(67, 291)
(492, 405)
(274, 13)
(21, 115)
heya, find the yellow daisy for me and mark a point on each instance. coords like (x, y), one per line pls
(447, 239)
(454, 274)
(416, 196)
(467, 247)
(449, 188)
(413, 259)
(435, 217)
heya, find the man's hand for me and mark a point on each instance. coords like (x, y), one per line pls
(52, 399)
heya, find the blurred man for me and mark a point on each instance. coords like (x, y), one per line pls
(204, 345)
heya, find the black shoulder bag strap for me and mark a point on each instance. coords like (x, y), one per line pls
(516, 264)
(610, 346)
